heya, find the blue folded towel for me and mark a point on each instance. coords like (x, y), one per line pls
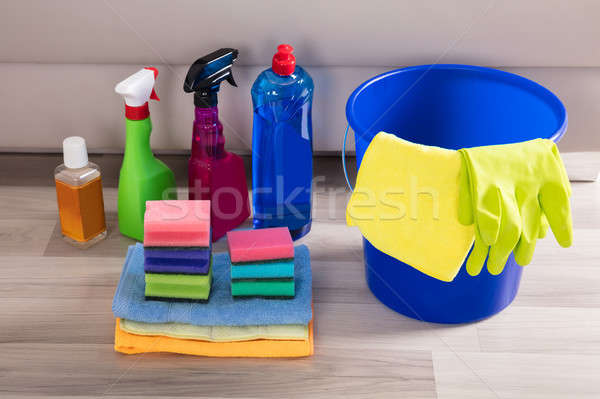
(221, 309)
(279, 269)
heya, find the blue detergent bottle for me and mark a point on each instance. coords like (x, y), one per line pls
(282, 145)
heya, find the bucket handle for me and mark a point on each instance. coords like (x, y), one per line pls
(344, 158)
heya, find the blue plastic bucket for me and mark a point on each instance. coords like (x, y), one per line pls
(450, 106)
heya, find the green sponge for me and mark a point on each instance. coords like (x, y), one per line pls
(178, 286)
(262, 288)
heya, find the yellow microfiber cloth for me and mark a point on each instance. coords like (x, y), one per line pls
(131, 343)
(291, 332)
(405, 204)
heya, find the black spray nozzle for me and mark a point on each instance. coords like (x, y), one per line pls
(206, 74)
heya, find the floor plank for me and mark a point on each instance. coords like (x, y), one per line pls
(24, 236)
(549, 330)
(479, 375)
(75, 369)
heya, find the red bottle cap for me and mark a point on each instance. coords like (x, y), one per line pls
(137, 113)
(284, 62)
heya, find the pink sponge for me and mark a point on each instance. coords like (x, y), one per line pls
(261, 244)
(177, 224)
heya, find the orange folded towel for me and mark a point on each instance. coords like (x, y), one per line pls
(131, 343)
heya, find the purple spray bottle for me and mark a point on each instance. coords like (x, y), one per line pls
(215, 174)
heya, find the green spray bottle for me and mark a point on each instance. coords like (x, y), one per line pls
(143, 177)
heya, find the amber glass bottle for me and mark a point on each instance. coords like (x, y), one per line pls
(79, 195)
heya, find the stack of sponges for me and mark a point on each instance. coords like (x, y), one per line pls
(262, 263)
(177, 251)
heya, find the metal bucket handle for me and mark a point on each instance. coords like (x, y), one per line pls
(344, 158)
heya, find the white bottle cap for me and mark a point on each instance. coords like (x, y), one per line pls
(138, 88)
(75, 152)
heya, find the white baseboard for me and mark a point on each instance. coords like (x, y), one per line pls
(582, 166)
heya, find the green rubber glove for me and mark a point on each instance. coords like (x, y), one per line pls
(512, 193)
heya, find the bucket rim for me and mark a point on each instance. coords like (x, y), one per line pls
(512, 77)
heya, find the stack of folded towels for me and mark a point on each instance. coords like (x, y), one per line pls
(222, 326)
(177, 252)
(262, 263)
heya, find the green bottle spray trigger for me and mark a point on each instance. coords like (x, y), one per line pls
(143, 177)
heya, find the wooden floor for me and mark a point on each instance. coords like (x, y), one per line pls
(56, 324)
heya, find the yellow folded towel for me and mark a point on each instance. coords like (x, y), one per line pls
(131, 343)
(291, 332)
(405, 204)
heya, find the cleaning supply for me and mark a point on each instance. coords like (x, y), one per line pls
(282, 145)
(131, 343)
(177, 223)
(165, 265)
(449, 106)
(178, 286)
(142, 177)
(79, 195)
(170, 226)
(177, 254)
(507, 192)
(263, 288)
(222, 309)
(405, 203)
(259, 245)
(292, 332)
(169, 267)
(260, 250)
(273, 270)
(215, 174)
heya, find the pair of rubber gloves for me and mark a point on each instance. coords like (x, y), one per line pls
(510, 193)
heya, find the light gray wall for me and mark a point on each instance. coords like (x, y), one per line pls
(328, 32)
(60, 60)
